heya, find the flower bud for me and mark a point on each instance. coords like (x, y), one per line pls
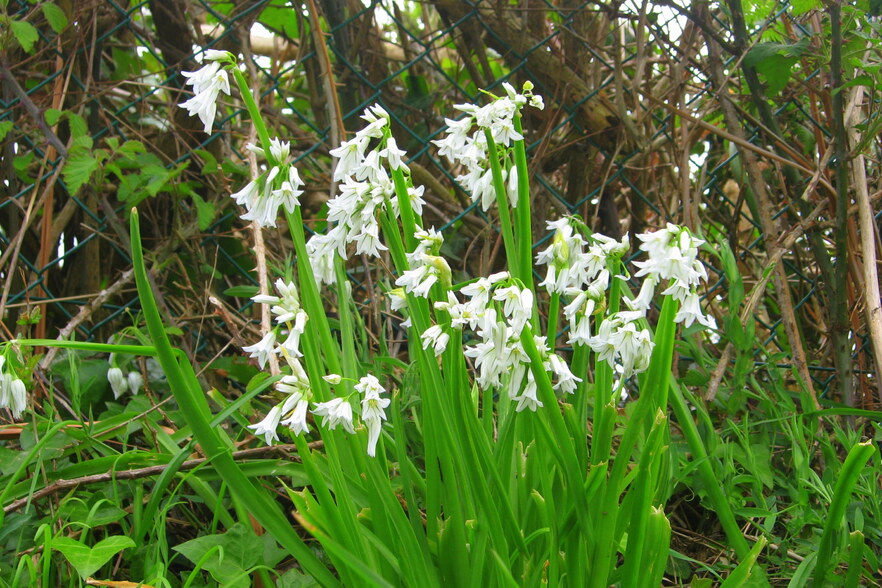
(135, 381)
(118, 382)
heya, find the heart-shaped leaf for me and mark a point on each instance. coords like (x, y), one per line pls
(88, 560)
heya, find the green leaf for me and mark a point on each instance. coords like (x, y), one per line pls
(52, 116)
(210, 166)
(78, 170)
(295, 579)
(241, 550)
(88, 560)
(802, 6)
(5, 127)
(242, 291)
(205, 211)
(25, 34)
(774, 62)
(103, 514)
(280, 18)
(78, 126)
(54, 16)
(238, 369)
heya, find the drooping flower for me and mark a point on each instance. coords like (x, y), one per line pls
(469, 148)
(135, 381)
(18, 399)
(435, 337)
(207, 82)
(118, 382)
(336, 411)
(295, 407)
(373, 411)
(267, 427)
(262, 349)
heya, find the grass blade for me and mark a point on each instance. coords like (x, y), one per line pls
(194, 406)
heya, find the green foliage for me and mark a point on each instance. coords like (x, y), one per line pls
(775, 61)
(230, 556)
(25, 33)
(88, 560)
(54, 16)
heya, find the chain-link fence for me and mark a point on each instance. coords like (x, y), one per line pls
(634, 134)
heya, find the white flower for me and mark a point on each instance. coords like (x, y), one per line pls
(620, 338)
(369, 384)
(372, 409)
(280, 150)
(644, 298)
(321, 250)
(350, 154)
(336, 411)
(528, 398)
(13, 394)
(286, 307)
(207, 83)
(247, 195)
(262, 349)
(435, 337)
(368, 241)
(295, 406)
(288, 194)
(479, 290)
(425, 271)
(18, 399)
(518, 305)
(135, 381)
(691, 311)
(118, 382)
(397, 299)
(215, 55)
(512, 186)
(566, 381)
(267, 427)
(333, 379)
(393, 154)
(5, 387)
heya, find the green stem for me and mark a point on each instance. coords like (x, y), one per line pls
(709, 479)
(143, 350)
(405, 209)
(524, 218)
(848, 476)
(553, 312)
(309, 292)
(254, 112)
(502, 203)
(194, 406)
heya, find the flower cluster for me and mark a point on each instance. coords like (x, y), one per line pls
(292, 411)
(278, 186)
(207, 82)
(122, 382)
(274, 187)
(427, 267)
(469, 148)
(581, 270)
(288, 312)
(498, 310)
(672, 254)
(366, 188)
(13, 394)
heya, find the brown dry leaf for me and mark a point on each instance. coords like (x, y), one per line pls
(116, 583)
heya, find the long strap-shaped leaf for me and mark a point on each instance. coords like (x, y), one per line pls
(194, 406)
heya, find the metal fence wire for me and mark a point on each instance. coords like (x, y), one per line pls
(633, 135)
